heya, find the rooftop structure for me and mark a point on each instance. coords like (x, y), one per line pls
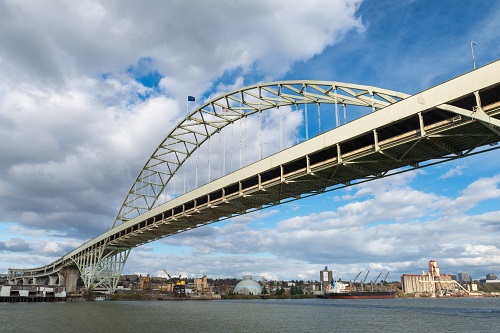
(248, 286)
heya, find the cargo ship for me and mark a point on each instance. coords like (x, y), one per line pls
(338, 290)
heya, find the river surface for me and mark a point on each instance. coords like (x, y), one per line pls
(308, 315)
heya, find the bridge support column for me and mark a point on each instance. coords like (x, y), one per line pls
(60, 277)
(69, 278)
(25, 281)
(53, 280)
(100, 269)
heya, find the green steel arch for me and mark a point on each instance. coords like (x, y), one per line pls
(212, 116)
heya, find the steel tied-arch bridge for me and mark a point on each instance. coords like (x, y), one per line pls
(455, 119)
(210, 118)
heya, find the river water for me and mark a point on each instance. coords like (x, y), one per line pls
(307, 315)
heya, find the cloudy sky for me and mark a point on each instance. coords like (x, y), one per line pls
(88, 90)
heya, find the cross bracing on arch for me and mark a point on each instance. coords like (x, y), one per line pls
(211, 117)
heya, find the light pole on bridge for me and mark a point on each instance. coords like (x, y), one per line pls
(472, 50)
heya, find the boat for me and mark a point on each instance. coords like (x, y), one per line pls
(339, 290)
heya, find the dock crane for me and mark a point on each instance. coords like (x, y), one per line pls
(363, 282)
(375, 282)
(385, 279)
(366, 276)
(354, 281)
(179, 286)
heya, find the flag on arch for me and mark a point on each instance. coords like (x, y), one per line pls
(191, 99)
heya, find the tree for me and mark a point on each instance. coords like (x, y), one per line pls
(280, 291)
(264, 290)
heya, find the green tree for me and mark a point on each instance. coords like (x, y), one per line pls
(280, 291)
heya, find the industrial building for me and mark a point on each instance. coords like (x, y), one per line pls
(325, 277)
(432, 283)
(421, 283)
(32, 293)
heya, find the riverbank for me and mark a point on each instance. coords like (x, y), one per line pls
(163, 296)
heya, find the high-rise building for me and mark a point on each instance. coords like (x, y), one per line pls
(464, 277)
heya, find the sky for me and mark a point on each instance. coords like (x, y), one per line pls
(89, 89)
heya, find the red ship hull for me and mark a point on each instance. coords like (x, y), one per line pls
(360, 295)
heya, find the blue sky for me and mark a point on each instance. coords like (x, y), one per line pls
(87, 92)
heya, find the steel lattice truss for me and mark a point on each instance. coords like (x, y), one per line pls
(214, 115)
(100, 268)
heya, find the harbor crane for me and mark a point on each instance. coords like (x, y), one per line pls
(352, 282)
(366, 276)
(375, 282)
(179, 286)
(363, 282)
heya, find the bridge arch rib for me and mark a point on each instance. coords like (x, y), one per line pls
(211, 117)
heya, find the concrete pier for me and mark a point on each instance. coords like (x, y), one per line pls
(53, 279)
(69, 277)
